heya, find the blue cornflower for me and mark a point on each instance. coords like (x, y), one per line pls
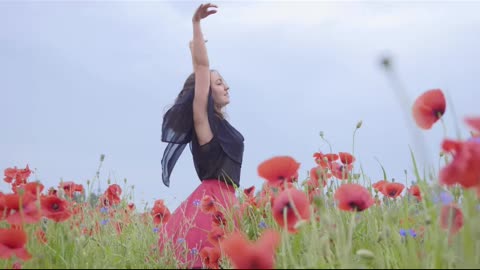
(104, 210)
(445, 198)
(403, 233)
(180, 240)
(262, 224)
(196, 202)
(194, 251)
(156, 230)
(104, 222)
(412, 233)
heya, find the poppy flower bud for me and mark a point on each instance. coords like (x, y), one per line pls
(365, 253)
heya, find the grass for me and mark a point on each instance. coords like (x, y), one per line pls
(330, 239)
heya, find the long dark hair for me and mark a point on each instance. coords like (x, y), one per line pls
(188, 87)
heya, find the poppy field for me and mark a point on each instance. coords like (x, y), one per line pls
(335, 217)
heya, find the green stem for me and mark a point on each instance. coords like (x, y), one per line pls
(444, 127)
(353, 142)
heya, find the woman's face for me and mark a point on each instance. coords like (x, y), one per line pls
(219, 90)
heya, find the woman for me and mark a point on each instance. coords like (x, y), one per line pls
(217, 149)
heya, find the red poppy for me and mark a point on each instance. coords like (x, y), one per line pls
(318, 175)
(34, 188)
(331, 157)
(210, 257)
(70, 188)
(320, 159)
(296, 206)
(29, 214)
(55, 208)
(10, 174)
(207, 205)
(346, 158)
(14, 201)
(160, 212)
(41, 236)
(218, 219)
(353, 197)
(250, 195)
(114, 189)
(428, 108)
(314, 195)
(463, 169)
(249, 192)
(451, 218)
(52, 191)
(215, 235)
(392, 189)
(12, 242)
(340, 171)
(378, 186)
(244, 254)
(20, 175)
(278, 169)
(131, 206)
(415, 191)
(111, 196)
(474, 122)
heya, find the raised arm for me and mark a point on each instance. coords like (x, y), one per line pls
(201, 68)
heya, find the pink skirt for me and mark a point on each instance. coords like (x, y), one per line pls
(187, 229)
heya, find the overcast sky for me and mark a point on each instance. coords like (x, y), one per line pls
(85, 78)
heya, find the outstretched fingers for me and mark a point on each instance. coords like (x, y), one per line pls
(203, 11)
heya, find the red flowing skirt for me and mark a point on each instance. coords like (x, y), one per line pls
(187, 229)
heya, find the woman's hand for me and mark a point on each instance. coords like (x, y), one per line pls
(202, 12)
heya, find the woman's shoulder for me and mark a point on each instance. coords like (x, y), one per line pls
(229, 128)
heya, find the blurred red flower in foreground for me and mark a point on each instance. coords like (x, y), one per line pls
(464, 169)
(12, 242)
(353, 197)
(210, 257)
(428, 108)
(451, 218)
(296, 205)
(244, 254)
(278, 169)
(474, 122)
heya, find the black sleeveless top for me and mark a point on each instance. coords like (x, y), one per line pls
(221, 158)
